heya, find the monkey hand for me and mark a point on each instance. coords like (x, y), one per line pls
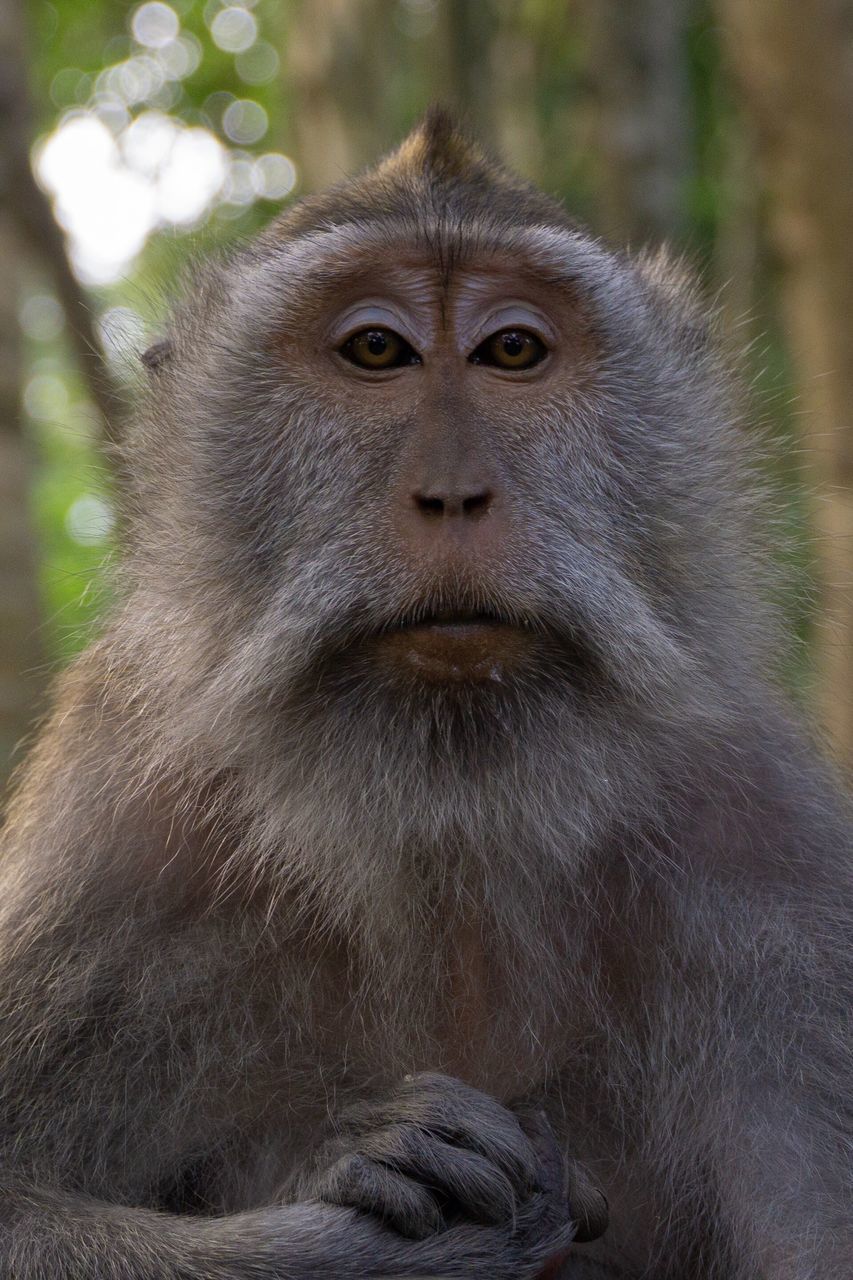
(439, 1159)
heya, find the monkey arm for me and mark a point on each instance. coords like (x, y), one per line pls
(762, 1066)
(77, 1112)
(121, 1064)
(499, 1232)
(723, 1143)
(712, 1096)
(47, 1234)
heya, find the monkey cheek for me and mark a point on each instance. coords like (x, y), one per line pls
(462, 653)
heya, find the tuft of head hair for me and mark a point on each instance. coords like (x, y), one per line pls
(439, 148)
(438, 170)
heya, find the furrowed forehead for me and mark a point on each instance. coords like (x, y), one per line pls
(325, 257)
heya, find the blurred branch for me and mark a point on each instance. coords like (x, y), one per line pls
(466, 34)
(35, 218)
(23, 201)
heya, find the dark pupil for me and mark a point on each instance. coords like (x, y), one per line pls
(376, 343)
(513, 344)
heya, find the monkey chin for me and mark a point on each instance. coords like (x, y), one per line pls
(456, 652)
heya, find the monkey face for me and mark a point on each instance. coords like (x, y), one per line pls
(417, 453)
(423, 470)
(438, 382)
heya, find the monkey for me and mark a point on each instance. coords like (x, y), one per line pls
(424, 864)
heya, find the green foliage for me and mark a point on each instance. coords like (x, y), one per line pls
(69, 479)
(76, 44)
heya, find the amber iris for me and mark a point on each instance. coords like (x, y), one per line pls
(514, 349)
(378, 349)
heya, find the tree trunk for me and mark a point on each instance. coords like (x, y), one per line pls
(28, 209)
(19, 606)
(337, 58)
(640, 105)
(794, 63)
(360, 77)
(19, 609)
(463, 69)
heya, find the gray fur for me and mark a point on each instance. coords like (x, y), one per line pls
(242, 869)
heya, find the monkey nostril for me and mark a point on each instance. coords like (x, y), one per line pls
(477, 504)
(428, 506)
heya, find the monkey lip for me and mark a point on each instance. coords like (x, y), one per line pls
(457, 645)
(460, 620)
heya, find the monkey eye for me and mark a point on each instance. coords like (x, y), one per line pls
(378, 349)
(515, 349)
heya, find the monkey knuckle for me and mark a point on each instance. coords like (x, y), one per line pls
(541, 1219)
(395, 1144)
(445, 1093)
(347, 1174)
(415, 1211)
(428, 1096)
(502, 1132)
(460, 1113)
(546, 1155)
(430, 1082)
(490, 1189)
(590, 1215)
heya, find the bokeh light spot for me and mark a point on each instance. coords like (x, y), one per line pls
(245, 121)
(148, 142)
(179, 58)
(240, 186)
(257, 65)
(234, 29)
(273, 176)
(41, 317)
(70, 85)
(111, 111)
(107, 209)
(45, 397)
(89, 520)
(193, 177)
(155, 24)
(122, 332)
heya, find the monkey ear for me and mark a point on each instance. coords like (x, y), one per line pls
(158, 354)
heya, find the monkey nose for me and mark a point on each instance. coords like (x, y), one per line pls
(469, 502)
(449, 496)
(463, 522)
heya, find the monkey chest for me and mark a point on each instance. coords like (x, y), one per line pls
(463, 1011)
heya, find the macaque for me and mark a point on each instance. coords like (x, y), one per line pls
(423, 863)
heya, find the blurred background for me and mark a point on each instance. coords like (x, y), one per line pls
(134, 136)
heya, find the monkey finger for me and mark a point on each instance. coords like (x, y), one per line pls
(459, 1114)
(588, 1204)
(466, 1179)
(359, 1183)
(551, 1162)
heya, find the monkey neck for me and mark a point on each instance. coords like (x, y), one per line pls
(441, 977)
(441, 913)
(466, 1015)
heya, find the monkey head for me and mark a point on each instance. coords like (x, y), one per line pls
(432, 484)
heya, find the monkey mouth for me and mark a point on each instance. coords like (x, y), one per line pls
(456, 619)
(455, 644)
